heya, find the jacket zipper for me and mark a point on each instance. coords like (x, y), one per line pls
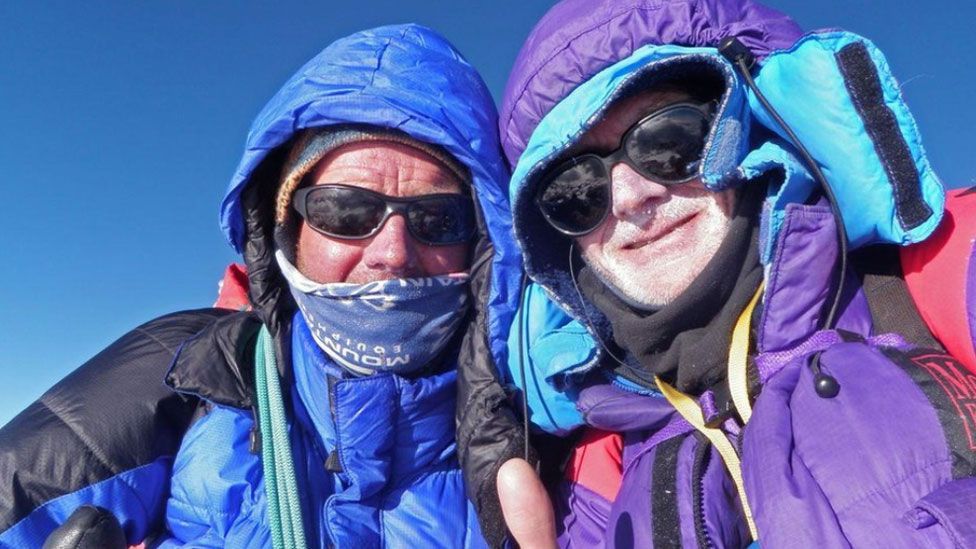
(631, 389)
(701, 459)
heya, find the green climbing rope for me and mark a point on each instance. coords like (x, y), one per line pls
(284, 510)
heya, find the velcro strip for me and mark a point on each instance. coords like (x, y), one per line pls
(665, 518)
(864, 85)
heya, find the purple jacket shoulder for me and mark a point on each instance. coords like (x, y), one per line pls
(889, 461)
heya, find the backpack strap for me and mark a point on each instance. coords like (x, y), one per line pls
(738, 369)
(689, 409)
(892, 307)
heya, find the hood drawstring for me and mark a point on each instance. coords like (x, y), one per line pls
(739, 55)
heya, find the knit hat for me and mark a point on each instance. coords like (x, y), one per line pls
(314, 144)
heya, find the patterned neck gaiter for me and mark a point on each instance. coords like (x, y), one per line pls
(396, 326)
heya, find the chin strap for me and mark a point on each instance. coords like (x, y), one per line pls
(284, 510)
(738, 384)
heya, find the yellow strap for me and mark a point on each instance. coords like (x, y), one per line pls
(688, 408)
(738, 353)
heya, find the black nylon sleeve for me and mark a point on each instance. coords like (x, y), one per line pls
(267, 288)
(111, 415)
(489, 432)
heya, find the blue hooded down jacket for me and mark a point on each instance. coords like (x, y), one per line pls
(376, 455)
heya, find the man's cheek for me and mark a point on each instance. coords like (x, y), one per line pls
(446, 259)
(326, 260)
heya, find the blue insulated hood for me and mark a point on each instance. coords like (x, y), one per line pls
(406, 78)
(403, 77)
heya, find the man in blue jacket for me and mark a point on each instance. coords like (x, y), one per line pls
(325, 417)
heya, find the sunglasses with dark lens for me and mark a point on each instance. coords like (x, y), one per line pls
(354, 213)
(665, 147)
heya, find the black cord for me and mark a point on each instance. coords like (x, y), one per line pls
(831, 318)
(525, 387)
(572, 275)
(735, 51)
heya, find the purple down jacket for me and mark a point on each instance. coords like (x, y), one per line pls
(890, 460)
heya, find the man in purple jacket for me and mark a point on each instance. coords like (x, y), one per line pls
(714, 307)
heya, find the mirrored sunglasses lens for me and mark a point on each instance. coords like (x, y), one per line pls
(576, 199)
(344, 212)
(442, 220)
(668, 148)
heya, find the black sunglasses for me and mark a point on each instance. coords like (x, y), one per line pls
(666, 147)
(354, 213)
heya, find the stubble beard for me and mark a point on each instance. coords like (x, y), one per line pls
(656, 282)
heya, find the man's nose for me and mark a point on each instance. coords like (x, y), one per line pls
(393, 249)
(633, 193)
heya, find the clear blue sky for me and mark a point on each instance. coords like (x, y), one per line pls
(122, 122)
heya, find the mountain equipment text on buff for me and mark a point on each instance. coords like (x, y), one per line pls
(284, 444)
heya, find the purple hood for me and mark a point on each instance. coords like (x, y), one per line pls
(880, 465)
(578, 38)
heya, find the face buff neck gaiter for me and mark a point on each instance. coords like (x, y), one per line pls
(396, 326)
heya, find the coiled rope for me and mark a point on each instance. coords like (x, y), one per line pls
(284, 510)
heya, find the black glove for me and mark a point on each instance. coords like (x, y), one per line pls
(89, 527)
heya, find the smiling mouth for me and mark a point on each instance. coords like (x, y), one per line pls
(680, 224)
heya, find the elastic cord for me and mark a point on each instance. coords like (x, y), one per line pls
(572, 275)
(525, 388)
(735, 51)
